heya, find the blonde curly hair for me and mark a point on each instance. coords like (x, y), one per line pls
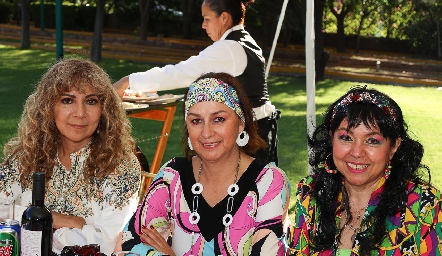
(38, 137)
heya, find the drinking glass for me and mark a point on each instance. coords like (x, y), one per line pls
(125, 253)
(6, 210)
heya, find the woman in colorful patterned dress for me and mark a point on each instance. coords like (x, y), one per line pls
(366, 195)
(218, 200)
(74, 129)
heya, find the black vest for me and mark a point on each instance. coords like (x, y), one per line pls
(253, 78)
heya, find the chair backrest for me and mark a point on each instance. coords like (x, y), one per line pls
(146, 175)
(142, 159)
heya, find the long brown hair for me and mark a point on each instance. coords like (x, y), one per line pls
(38, 139)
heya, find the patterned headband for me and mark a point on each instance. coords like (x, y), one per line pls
(212, 89)
(366, 97)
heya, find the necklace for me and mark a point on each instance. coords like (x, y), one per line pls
(198, 188)
(354, 229)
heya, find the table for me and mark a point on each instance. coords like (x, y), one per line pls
(163, 113)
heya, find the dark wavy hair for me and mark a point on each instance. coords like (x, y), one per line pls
(406, 164)
(236, 8)
(255, 141)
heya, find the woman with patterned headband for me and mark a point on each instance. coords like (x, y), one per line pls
(233, 51)
(217, 200)
(366, 195)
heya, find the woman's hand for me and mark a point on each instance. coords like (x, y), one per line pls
(152, 237)
(67, 221)
(121, 85)
(119, 244)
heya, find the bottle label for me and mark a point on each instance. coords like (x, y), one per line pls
(31, 242)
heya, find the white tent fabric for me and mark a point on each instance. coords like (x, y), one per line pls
(275, 39)
(309, 61)
(310, 69)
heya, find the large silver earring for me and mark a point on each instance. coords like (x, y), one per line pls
(189, 143)
(243, 139)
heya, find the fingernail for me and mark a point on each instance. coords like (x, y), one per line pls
(151, 227)
(143, 226)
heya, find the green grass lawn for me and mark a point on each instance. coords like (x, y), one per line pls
(21, 69)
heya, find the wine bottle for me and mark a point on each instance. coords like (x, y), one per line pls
(36, 222)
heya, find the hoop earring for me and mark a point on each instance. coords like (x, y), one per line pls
(327, 169)
(189, 143)
(387, 171)
(243, 139)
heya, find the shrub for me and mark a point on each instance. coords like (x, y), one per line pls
(6, 10)
(85, 18)
(74, 18)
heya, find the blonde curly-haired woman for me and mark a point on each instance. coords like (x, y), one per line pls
(74, 129)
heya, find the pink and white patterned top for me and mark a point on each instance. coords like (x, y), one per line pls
(260, 214)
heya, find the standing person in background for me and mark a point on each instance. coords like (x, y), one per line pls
(74, 129)
(366, 196)
(218, 200)
(234, 52)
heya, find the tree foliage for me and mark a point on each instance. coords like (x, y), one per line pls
(424, 30)
(418, 22)
(415, 21)
(340, 9)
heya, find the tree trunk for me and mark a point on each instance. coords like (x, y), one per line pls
(321, 57)
(389, 25)
(144, 6)
(287, 33)
(25, 31)
(439, 43)
(358, 38)
(98, 32)
(340, 15)
(265, 33)
(188, 8)
(358, 43)
(341, 32)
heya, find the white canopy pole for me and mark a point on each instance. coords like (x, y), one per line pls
(310, 69)
(275, 39)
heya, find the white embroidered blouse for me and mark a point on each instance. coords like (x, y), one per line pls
(106, 204)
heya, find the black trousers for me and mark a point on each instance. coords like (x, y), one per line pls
(267, 130)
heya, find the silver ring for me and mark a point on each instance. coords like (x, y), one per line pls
(233, 189)
(197, 188)
(194, 218)
(227, 216)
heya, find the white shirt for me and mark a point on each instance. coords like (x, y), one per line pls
(106, 205)
(222, 56)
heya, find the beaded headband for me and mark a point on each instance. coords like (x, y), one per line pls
(381, 101)
(212, 89)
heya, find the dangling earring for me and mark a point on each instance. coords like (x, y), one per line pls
(243, 139)
(327, 169)
(387, 171)
(189, 143)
